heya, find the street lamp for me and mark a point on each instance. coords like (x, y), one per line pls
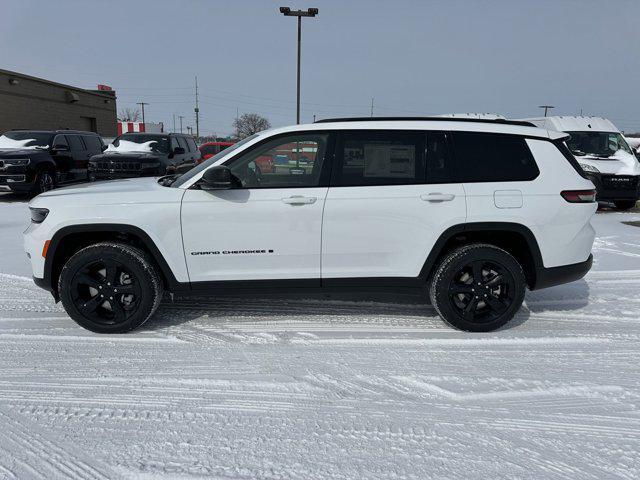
(287, 12)
(546, 108)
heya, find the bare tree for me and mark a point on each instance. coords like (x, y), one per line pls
(129, 115)
(250, 123)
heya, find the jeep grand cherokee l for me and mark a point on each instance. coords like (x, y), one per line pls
(34, 161)
(145, 155)
(465, 212)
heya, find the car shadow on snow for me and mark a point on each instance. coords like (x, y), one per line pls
(571, 296)
(346, 308)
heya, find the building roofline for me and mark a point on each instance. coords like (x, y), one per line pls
(108, 94)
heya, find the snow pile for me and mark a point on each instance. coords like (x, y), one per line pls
(10, 143)
(125, 146)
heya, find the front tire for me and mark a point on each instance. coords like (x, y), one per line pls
(625, 204)
(478, 288)
(45, 181)
(110, 287)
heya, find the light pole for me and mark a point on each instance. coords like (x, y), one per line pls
(180, 117)
(546, 108)
(287, 12)
(142, 104)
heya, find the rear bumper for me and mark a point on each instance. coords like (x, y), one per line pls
(549, 277)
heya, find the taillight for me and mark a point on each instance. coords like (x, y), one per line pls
(579, 196)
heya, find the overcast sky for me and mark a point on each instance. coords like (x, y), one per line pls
(414, 57)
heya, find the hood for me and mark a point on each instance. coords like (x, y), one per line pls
(20, 152)
(620, 163)
(113, 188)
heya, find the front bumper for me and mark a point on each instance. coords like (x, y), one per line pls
(10, 182)
(615, 187)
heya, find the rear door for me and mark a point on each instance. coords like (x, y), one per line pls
(392, 194)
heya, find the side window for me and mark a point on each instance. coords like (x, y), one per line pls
(490, 157)
(75, 143)
(183, 143)
(294, 160)
(60, 140)
(94, 145)
(174, 143)
(192, 144)
(380, 157)
(440, 168)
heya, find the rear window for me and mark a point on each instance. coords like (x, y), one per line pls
(192, 144)
(94, 145)
(490, 157)
(75, 143)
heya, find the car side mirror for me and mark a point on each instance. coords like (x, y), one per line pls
(61, 148)
(216, 178)
(178, 151)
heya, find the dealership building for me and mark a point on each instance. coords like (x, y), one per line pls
(34, 103)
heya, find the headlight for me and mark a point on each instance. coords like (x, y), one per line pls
(588, 168)
(17, 162)
(38, 214)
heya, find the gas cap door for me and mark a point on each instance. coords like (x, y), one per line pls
(507, 198)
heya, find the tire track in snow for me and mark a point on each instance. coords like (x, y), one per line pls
(28, 453)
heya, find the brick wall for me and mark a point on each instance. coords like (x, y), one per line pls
(34, 103)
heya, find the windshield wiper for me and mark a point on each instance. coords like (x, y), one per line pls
(167, 180)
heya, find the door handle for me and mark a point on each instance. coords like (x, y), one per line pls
(299, 200)
(437, 197)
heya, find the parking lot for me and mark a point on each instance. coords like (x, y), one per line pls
(321, 388)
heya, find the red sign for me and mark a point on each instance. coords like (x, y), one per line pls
(106, 88)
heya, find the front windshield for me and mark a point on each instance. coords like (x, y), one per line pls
(139, 143)
(599, 144)
(210, 161)
(12, 140)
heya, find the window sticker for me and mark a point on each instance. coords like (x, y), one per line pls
(397, 161)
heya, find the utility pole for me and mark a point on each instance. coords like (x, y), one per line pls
(237, 129)
(372, 106)
(287, 12)
(546, 108)
(142, 104)
(174, 123)
(197, 110)
(180, 117)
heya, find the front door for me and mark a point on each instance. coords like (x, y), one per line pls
(267, 227)
(392, 194)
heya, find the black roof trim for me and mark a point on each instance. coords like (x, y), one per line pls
(499, 121)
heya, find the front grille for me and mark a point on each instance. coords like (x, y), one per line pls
(117, 166)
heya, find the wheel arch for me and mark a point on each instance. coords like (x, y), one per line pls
(515, 238)
(68, 240)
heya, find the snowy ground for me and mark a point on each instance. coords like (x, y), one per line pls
(320, 389)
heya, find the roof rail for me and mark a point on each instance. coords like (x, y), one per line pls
(501, 121)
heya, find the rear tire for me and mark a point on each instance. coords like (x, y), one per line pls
(478, 288)
(625, 204)
(110, 287)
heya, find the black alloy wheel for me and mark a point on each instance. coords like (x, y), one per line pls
(482, 291)
(478, 287)
(110, 287)
(106, 291)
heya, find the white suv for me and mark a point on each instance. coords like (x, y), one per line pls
(467, 211)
